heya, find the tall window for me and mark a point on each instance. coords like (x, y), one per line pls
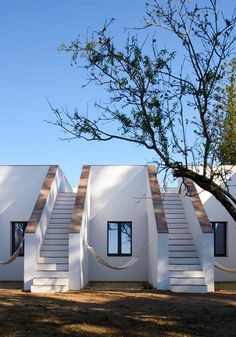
(219, 238)
(18, 230)
(119, 238)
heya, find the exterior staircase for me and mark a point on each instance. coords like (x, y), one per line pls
(53, 261)
(185, 270)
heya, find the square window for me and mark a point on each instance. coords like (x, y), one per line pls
(119, 238)
(18, 230)
(219, 238)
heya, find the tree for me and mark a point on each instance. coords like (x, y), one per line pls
(170, 110)
(227, 103)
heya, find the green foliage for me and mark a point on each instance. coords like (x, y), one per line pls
(228, 105)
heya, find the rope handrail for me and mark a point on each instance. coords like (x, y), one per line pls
(223, 268)
(130, 263)
(14, 255)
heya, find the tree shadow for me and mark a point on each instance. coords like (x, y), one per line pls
(130, 313)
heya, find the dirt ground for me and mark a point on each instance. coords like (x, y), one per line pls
(107, 311)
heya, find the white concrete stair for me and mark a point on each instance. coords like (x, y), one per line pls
(52, 271)
(185, 270)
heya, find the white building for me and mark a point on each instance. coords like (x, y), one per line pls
(118, 212)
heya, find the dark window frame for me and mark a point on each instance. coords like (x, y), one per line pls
(13, 243)
(213, 223)
(119, 238)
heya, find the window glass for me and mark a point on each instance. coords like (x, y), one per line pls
(126, 238)
(219, 238)
(18, 230)
(113, 238)
(119, 238)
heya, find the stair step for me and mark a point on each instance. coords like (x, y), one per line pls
(55, 247)
(171, 203)
(177, 242)
(71, 193)
(176, 216)
(179, 231)
(49, 288)
(61, 211)
(177, 221)
(58, 225)
(181, 267)
(56, 242)
(42, 281)
(53, 236)
(51, 273)
(177, 236)
(182, 254)
(187, 281)
(184, 260)
(178, 225)
(174, 248)
(186, 273)
(175, 211)
(52, 253)
(59, 220)
(52, 266)
(42, 259)
(61, 216)
(173, 206)
(61, 207)
(57, 231)
(189, 288)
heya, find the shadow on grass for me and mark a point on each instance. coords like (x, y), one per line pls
(116, 313)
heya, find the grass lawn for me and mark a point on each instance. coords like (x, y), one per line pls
(126, 312)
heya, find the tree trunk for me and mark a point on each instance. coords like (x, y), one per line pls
(208, 185)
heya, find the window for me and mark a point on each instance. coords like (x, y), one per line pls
(119, 238)
(219, 238)
(18, 230)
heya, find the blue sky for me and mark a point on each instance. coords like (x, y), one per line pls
(32, 69)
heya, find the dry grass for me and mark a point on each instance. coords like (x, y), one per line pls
(95, 312)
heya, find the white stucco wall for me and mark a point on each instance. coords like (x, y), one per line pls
(114, 197)
(216, 212)
(19, 189)
(84, 257)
